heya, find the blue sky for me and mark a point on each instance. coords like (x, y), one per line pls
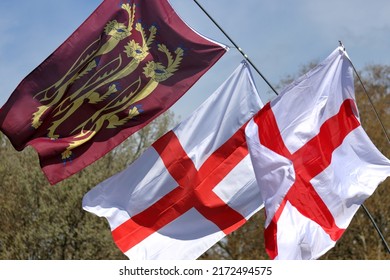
(278, 36)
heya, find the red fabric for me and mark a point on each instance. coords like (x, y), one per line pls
(87, 93)
(310, 160)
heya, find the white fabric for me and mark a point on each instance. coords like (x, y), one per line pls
(356, 167)
(147, 179)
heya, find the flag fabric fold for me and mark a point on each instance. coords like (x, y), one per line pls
(313, 161)
(192, 187)
(124, 66)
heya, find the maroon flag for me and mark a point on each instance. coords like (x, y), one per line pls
(124, 66)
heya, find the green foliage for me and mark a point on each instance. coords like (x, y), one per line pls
(40, 221)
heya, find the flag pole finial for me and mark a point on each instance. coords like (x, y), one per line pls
(341, 45)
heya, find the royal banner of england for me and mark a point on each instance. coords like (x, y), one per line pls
(124, 66)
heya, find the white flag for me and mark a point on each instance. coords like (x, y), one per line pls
(192, 187)
(313, 161)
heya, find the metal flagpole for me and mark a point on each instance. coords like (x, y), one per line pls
(238, 48)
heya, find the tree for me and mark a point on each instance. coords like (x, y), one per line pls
(39, 221)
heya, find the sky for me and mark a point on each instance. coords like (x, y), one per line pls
(279, 37)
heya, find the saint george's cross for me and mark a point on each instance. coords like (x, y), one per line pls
(194, 190)
(308, 161)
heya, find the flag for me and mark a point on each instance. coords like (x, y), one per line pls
(313, 161)
(124, 66)
(192, 187)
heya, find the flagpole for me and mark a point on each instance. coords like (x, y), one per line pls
(237, 47)
(377, 228)
(384, 130)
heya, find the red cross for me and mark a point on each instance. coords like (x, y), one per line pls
(310, 160)
(194, 190)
